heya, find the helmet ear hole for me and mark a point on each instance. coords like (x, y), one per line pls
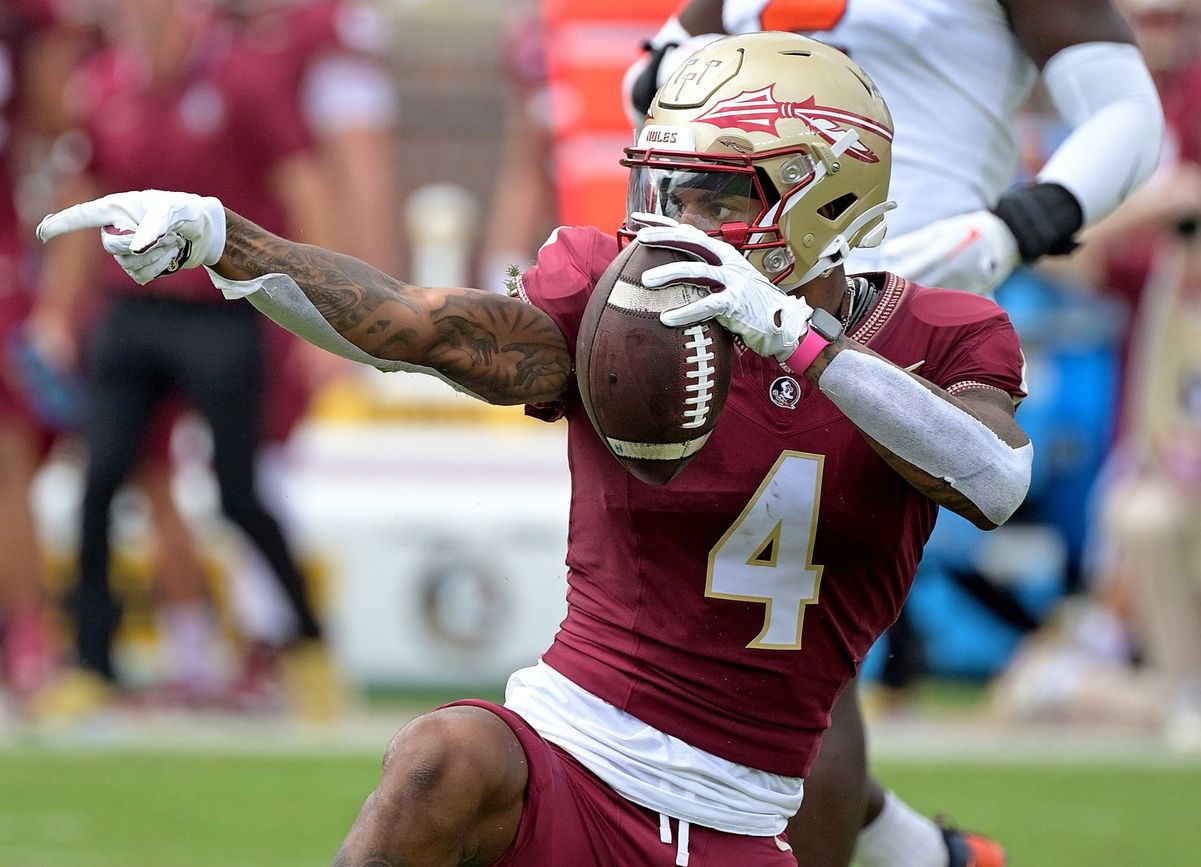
(835, 208)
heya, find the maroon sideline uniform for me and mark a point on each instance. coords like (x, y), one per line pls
(285, 41)
(221, 124)
(294, 35)
(14, 296)
(18, 21)
(220, 130)
(642, 634)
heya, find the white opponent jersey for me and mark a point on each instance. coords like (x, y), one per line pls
(953, 76)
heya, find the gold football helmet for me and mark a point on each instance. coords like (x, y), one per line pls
(774, 142)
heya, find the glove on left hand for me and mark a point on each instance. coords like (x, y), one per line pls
(770, 322)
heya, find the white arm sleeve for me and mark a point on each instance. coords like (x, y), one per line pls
(279, 298)
(1105, 92)
(743, 16)
(938, 437)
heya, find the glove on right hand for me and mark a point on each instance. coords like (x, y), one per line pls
(148, 232)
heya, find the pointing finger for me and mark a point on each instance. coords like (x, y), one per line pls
(119, 209)
(88, 215)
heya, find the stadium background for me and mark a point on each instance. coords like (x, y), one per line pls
(439, 566)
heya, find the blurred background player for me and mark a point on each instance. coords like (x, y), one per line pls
(27, 646)
(954, 74)
(1129, 650)
(332, 53)
(161, 101)
(1151, 512)
(523, 206)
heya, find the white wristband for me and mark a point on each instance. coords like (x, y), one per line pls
(215, 211)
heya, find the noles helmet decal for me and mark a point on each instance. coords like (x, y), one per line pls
(758, 111)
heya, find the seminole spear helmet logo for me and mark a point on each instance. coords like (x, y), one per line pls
(759, 110)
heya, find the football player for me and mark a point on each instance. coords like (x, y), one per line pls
(712, 621)
(27, 657)
(176, 96)
(954, 73)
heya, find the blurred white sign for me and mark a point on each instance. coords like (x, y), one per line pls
(446, 546)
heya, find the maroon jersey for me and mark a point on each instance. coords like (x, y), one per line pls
(731, 606)
(14, 26)
(14, 300)
(294, 36)
(219, 129)
(19, 21)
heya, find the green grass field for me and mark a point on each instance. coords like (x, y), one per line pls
(1065, 815)
(128, 809)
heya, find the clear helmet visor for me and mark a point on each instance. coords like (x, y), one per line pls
(706, 199)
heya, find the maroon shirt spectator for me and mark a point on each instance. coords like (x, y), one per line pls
(222, 126)
(179, 100)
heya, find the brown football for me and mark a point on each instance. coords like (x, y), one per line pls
(653, 393)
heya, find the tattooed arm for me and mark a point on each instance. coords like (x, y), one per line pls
(498, 348)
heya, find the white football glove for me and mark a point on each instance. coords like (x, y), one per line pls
(741, 299)
(973, 252)
(150, 232)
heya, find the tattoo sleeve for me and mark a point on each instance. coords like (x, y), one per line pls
(501, 349)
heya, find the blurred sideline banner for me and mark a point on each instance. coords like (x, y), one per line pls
(589, 47)
(433, 539)
(446, 546)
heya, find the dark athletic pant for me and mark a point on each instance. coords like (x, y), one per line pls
(146, 349)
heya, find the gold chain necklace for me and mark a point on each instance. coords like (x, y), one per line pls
(852, 291)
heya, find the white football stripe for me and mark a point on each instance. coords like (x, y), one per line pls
(656, 451)
(639, 299)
